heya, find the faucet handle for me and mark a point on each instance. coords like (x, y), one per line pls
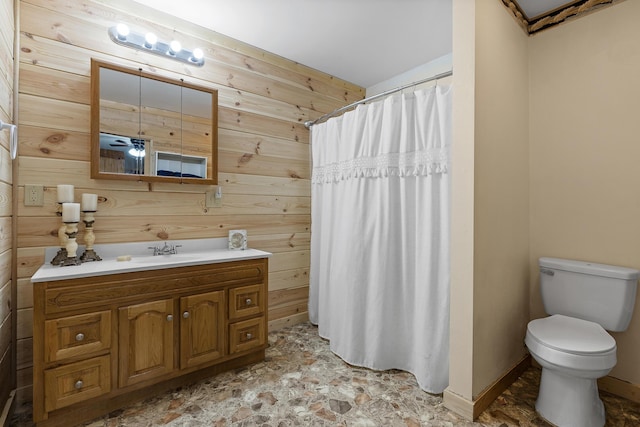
(175, 248)
(155, 249)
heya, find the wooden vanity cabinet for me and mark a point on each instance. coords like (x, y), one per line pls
(103, 342)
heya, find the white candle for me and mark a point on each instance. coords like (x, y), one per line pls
(70, 212)
(89, 202)
(65, 193)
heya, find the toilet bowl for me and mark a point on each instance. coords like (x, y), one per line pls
(572, 345)
(573, 354)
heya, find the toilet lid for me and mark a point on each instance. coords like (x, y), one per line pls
(571, 335)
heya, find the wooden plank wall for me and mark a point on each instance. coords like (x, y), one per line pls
(7, 30)
(264, 163)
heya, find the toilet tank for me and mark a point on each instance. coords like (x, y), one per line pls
(601, 293)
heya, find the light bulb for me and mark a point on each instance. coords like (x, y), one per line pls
(123, 31)
(136, 153)
(150, 40)
(198, 54)
(175, 47)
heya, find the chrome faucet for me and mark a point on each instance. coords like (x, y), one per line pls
(165, 250)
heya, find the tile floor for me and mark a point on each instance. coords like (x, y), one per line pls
(302, 383)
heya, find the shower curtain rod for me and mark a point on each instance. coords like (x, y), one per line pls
(327, 116)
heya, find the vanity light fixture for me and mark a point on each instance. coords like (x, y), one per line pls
(122, 35)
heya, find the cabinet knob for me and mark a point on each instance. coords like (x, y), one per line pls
(79, 384)
(169, 317)
(248, 301)
(249, 335)
(80, 337)
(185, 314)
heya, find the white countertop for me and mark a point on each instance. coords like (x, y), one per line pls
(191, 252)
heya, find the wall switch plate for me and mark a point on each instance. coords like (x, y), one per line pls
(33, 195)
(213, 198)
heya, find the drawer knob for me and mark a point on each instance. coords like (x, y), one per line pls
(169, 317)
(185, 314)
(248, 301)
(80, 337)
(249, 335)
(79, 384)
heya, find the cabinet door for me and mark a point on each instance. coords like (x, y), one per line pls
(202, 328)
(146, 341)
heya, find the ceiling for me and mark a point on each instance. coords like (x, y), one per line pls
(362, 41)
(534, 9)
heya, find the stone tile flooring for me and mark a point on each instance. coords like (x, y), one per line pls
(302, 383)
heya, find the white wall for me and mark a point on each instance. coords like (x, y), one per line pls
(585, 151)
(490, 203)
(501, 291)
(424, 71)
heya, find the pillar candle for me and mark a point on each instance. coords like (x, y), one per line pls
(89, 202)
(70, 212)
(65, 193)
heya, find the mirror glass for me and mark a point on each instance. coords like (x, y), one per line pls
(150, 128)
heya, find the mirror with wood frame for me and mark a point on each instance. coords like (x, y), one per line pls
(151, 128)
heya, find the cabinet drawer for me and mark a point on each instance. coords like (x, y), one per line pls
(246, 335)
(246, 301)
(77, 335)
(75, 382)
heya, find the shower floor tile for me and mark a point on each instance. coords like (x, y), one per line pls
(302, 383)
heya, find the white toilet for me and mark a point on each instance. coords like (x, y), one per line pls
(572, 345)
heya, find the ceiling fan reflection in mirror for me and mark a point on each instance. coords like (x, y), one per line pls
(123, 154)
(133, 146)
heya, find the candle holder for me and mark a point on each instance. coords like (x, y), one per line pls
(89, 238)
(61, 255)
(71, 230)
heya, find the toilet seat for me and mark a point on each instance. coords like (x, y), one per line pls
(571, 335)
(571, 343)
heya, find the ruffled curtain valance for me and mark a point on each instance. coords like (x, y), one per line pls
(417, 163)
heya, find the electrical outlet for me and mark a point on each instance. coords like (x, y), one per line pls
(213, 198)
(34, 195)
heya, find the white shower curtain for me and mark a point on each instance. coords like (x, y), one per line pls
(379, 278)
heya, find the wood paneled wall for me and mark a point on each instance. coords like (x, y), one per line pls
(7, 290)
(263, 167)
